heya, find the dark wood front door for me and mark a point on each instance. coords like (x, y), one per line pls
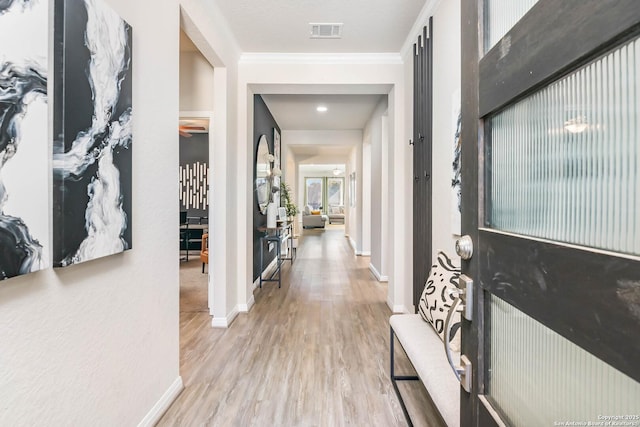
(551, 201)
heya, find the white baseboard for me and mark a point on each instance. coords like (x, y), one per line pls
(397, 308)
(245, 308)
(365, 253)
(377, 274)
(353, 245)
(161, 406)
(271, 267)
(224, 322)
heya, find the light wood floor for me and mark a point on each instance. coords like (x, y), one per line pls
(313, 353)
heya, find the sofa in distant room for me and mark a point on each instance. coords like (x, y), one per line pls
(313, 218)
(336, 214)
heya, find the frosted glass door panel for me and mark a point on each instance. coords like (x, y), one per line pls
(537, 377)
(564, 162)
(502, 15)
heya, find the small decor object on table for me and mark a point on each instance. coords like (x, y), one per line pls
(272, 215)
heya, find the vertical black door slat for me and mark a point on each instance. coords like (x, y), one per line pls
(422, 161)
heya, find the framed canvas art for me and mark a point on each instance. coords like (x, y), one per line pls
(24, 137)
(456, 181)
(92, 132)
(276, 147)
(352, 189)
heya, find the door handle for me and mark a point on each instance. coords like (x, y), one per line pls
(464, 371)
(464, 247)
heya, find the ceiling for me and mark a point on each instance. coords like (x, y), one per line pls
(283, 25)
(322, 170)
(344, 112)
(321, 154)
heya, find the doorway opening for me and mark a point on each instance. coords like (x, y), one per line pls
(196, 104)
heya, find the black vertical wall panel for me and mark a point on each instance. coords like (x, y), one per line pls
(418, 194)
(263, 124)
(422, 161)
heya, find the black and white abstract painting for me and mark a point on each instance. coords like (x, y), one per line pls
(92, 132)
(24, 137)
(456, 179)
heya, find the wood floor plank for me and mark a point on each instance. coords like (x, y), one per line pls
(312, 353)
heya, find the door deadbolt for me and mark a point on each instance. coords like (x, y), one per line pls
(464, 247)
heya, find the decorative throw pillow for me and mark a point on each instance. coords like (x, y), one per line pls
(436, 299)
(315, 212)
(307, 210)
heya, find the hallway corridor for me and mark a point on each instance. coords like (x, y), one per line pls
(313, 353)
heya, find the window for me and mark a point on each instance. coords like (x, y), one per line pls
(335, 191)
(314, 189)
(323, 193)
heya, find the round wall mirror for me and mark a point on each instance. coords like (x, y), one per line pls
(263, 169)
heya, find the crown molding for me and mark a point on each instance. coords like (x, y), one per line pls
(416, 30)
(320, 58)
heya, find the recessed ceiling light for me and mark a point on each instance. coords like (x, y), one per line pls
(321, 109)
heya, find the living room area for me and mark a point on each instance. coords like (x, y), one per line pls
(324, 195)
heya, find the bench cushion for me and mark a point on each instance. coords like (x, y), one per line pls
(436, 299)
(426, 352)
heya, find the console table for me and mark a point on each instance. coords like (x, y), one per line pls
(279, 236)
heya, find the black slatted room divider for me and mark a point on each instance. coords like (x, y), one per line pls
(422, 158)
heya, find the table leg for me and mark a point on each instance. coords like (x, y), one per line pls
(261, 259)
(279, 263)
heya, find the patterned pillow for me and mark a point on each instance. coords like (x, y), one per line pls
(436, 299)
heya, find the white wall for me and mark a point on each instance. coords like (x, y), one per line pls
(97, 343)
(196, 82)
(353, 224)
(203, 23)
(365, 196)
(386, 234)
(446, 82)
(373, 135)
(447, 52)
(400, 190)
(290, 177)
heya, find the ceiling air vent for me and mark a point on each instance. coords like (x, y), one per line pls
(326, 31)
